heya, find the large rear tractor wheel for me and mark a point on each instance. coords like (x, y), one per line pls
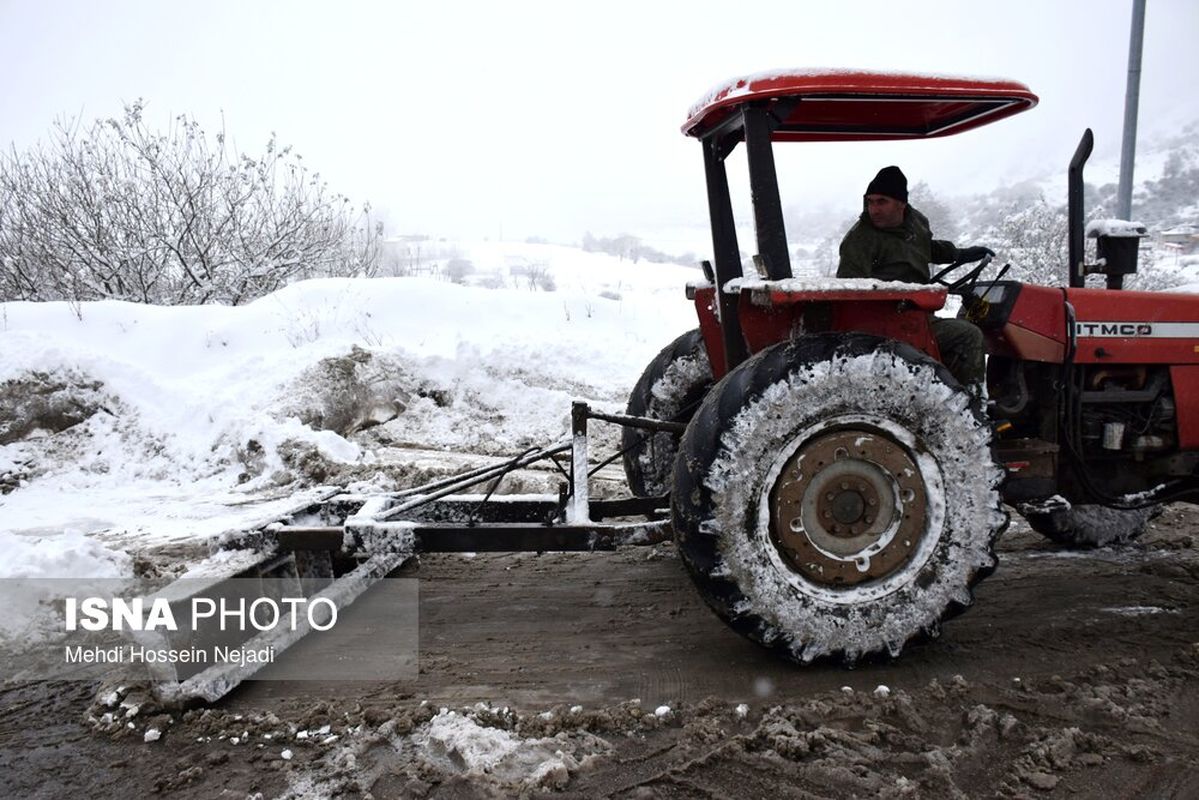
(671, 388)
(836, 496)
(1086, 526)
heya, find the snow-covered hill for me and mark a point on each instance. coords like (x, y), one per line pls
(1157, 155)
(136, 425)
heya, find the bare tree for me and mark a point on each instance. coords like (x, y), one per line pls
(941, 217)
(362, 248)
(827, 255)
(118, 211)
(1034, 237)
(456, 269)
(538, 276)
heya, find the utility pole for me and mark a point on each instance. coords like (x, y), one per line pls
(1131, 99)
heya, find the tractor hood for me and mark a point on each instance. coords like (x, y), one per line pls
(827, 105)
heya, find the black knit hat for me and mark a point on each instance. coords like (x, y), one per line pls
(889, 181)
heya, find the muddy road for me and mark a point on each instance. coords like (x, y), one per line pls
(1076, 674)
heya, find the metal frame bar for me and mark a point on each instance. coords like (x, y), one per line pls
(764, 190)
(646, 423)
(724, 245)
(996, 106)
(440, 517)
(490, 537)
(519, 538)
(479, 473)
(755, 125)
(474, 477)
(578, 508)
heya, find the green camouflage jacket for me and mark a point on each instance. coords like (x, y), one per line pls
(902, 253)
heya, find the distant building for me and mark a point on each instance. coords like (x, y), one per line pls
(1184, 239)
(411, 254)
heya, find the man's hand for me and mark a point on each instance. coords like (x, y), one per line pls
(968, 254)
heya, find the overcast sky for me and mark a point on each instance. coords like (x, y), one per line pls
(548, 119)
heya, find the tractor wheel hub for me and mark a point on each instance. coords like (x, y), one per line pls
(849, 506)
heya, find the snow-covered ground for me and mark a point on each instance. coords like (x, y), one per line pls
(189, 411)
(192, 422)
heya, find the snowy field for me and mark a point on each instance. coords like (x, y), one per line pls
(184, 417)
(126, 428)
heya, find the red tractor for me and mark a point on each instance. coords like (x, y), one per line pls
(836, 492)
(832, 490)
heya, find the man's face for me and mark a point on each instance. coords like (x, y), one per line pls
(885, 212)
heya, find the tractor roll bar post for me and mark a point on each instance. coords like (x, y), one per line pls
(764, 191)
(724, 246)
(754, 125)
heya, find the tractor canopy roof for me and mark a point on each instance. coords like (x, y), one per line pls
(827, 105)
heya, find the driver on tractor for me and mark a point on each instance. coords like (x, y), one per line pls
(892, 241)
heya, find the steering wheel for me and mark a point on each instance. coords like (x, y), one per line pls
(968, 280)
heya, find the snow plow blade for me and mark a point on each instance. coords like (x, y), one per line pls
(365, 538)
(174, 687)
(322, 573)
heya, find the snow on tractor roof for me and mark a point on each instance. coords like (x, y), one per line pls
(826, 105)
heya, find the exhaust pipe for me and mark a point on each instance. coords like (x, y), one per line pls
(1074, 209)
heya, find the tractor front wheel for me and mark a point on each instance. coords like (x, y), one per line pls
(835, 496)
(671, 388)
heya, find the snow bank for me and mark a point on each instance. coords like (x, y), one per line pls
(69, 553)
(198, 408)
(29, 614)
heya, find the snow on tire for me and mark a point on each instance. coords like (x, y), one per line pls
(670, 388)
(1090, 525)
(836, 496)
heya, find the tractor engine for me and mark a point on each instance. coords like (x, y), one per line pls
(1126, 410)
(1120, 420)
